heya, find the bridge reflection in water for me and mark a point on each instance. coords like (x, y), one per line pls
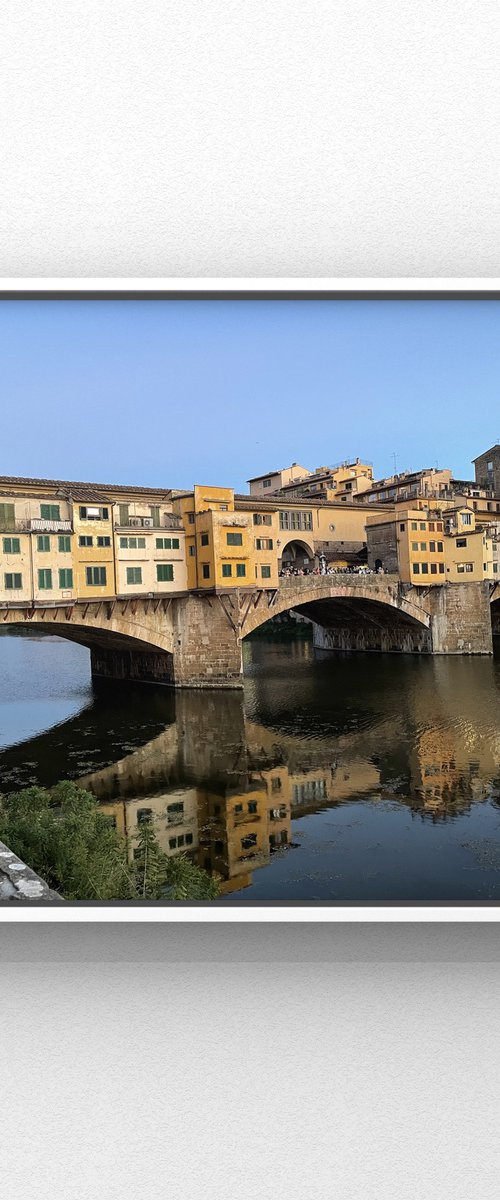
(229, 779)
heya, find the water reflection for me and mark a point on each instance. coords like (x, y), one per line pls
(244, 782)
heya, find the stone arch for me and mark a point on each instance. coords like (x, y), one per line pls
(308, 597)
(301, 550)
(114, 652)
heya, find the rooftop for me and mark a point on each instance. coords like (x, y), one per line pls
(485, 452)
(71, 485)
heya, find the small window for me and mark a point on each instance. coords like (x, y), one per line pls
(95, 576)
(192, 551)
(43, 544)
(441, 568)
(189, 839)
(11, 545)
(190, 517)
(402, 528)
(414, 545)
(164, 572)
(276, 783)
(432, 547)
(423, 525)
(414, 525)
(234, 539)
(241, 570)
(141, 543)
(172, 843)
(439, 526)
(265, 572)
(227, 570)
(45, 579)
(205, 570)
(249, 841)
(461, 542)
(87, 541)
(416, 568)
(252, 806)
(164, 543)
(65, 577)
(204, 539)
(144, 815)
(13, 581)
(134, 574)
(266, 483)
(106, 541)
(238, 808)
(423, 546)
(432, 526)
(50, 512)
(425, 568)
(64, 543)
(433, 568)
(440, 547)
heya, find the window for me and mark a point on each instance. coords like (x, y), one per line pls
(441, 568)
(129, 543)
(189, 839)
(65, 577)
(416, 568)
(85, 541)
(295, 520)
(45, 579)
(241, 570)
(7, 516)
(190, 518)
(425, 568)
(414, 545)
(11, 545)
(164, 572)
(234, 539)
(175, 813)
(165, 543)
(466, 518)
(106, 541)
(205, 570)
(123, 516)
(465, 568)
(423, 545)
(155, 514)
(64, 543)
(204, 539)
(423, 525)
(263, 543)
(223, 507)
(93, 514)
(461, 542)
(43, 543)
(13, 582)
(265, 572)
(440, 547)
(402, 528)
(433, 568)
(432, 547)
(432, 526)
(252, 806)
(262, 519)
(414, 524)
(134, 574)
(192, 551)
(238, 808)
(95, 576)
(50, 512)
(490, 466)
(266, 483)
(249, 841)
(144, 815)
(227, 570)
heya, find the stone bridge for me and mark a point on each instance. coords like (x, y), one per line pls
(195, 640)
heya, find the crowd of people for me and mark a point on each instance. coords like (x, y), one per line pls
(289, 570)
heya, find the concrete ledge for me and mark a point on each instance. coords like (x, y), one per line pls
(19, 883)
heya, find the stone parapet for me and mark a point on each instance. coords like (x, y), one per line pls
(19, 883)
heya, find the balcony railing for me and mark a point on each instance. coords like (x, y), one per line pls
(36, 525)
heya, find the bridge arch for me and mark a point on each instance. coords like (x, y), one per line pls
(296, 552)
(371, 612)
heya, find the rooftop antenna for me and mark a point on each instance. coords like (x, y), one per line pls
(395, 457)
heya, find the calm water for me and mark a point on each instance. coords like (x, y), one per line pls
(331, 778)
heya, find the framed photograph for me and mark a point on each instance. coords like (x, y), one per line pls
(250, 600)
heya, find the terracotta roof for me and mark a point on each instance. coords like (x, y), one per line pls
(71, 485)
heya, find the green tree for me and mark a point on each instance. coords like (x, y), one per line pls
(62, 834)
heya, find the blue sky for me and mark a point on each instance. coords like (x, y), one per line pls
(175, 393)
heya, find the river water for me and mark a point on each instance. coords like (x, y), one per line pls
(332, 778)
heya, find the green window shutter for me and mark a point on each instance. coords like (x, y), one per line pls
(266, 572)
(123, 543)
(164, 572)
(241, 569)
(123, 514)
(11, 545)
(134, 575)
(45, 579)
(205, 570)
(50, 512)
(64, 543)
(226, 570)
(43, 543)
(234, 539)
(175, 543)
(65, 577)
(141, 543)
(7, 516)
(159, 543)
(155, 513)
(13, 581)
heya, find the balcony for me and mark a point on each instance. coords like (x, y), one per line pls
(169, 523)
(35, 525)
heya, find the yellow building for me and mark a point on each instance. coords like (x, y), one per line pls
(468, 549)
(226, 545)
(411, 545)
